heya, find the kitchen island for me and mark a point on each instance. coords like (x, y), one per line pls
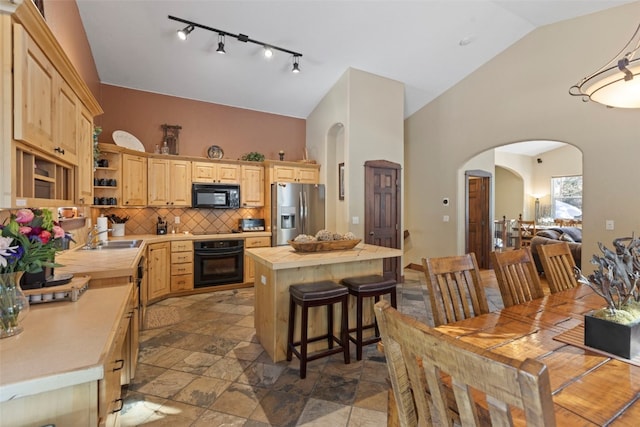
(278, 267)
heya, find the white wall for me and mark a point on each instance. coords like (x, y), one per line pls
(509, 197)
(369, 110)
(522, 95)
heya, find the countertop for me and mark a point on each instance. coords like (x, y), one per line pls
(63, 343)
(102, 264)
(285, 257)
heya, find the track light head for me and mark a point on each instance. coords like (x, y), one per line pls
(296, 64)
(220, 48)
(182, 34)
(268, 52)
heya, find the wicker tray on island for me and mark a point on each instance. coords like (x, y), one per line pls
(324, 245)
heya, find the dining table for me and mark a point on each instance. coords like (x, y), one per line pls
(589, 387)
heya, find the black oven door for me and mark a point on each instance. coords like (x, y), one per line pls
(218, 262)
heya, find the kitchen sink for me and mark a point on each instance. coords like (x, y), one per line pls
(116, 244)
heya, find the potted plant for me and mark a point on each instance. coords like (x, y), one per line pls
(28, 243)
(616, 327)
(253, 156)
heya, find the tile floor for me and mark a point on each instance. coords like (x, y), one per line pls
(209, 370)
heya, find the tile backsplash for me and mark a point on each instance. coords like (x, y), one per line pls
(144, 220)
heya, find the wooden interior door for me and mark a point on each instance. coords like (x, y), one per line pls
(478, 225)
(383, 210)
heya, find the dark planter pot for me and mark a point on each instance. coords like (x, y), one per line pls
(36, 280)
(621, 340)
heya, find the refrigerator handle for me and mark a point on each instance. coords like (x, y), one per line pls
(306, 212)
(301, 214)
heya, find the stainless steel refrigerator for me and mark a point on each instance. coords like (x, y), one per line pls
(296, 209)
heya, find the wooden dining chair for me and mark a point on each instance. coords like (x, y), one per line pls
(430, 370)
(455, 288)
(558, 266)
(517, 276)
(526, 230)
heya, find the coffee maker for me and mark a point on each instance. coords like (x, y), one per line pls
(161, 226)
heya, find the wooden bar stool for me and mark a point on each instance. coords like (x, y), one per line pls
(317, 294)
(366, 287)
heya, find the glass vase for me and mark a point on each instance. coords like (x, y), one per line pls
(14, 304)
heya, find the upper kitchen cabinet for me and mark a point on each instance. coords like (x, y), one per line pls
(227, 173)
(293, 172)
(169, 182)
(252, 186)
(134, 180)
(84, 137)
(46, 116)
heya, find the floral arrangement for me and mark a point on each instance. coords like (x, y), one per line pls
(617, 280)
(29, 241)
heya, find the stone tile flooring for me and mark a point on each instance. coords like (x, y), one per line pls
(209, 370)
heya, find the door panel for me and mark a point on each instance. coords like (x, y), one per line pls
(382, 210)
(478, 224)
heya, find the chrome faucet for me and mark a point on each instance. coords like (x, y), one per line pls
(93, 235)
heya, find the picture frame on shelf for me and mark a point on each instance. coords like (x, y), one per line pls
(340, 181)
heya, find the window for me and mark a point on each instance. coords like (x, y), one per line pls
(566, 197)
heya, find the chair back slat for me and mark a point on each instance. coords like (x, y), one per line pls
(455, 288)
(449, 378)
(517, 276)
(558, 266)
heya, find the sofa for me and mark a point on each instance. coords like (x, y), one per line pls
(549, 236)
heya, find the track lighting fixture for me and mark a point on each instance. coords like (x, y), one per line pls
(617, 83)
(182, 34)
(268, 48)
(220, 48)
(296, 65)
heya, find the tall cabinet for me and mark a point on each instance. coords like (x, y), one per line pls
(46, 116)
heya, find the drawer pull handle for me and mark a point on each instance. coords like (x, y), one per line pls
(121, 362)
(121, 401)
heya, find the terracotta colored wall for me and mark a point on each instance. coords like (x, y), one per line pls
(235, 130)
(64, 21)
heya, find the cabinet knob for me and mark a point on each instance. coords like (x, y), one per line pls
(59, 150)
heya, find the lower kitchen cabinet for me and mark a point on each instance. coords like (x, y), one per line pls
(253, 242)
(181, 266)
(82, 388)
(159, 263)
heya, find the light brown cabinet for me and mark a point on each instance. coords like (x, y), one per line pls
(249, 267)
(84, 177)
(159, 262)
(45, 105)
(34, 91)
(49, 108)
(252, 189)
(110, 401)
(225, 173)
(67, 114)
(134, 180)
(181, 266)
(169, 182)
(302, 174)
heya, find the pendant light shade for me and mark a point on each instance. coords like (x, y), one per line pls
(616, 84)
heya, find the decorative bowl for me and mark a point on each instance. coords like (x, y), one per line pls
(324, 245)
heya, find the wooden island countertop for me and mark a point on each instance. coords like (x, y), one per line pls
(278, 267)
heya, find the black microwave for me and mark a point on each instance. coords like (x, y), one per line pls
(215, 196)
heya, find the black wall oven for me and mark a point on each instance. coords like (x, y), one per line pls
(218, 262)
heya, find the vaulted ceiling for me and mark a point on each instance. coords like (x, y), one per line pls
(427, 45)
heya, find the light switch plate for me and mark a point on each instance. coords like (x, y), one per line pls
(609, 224)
